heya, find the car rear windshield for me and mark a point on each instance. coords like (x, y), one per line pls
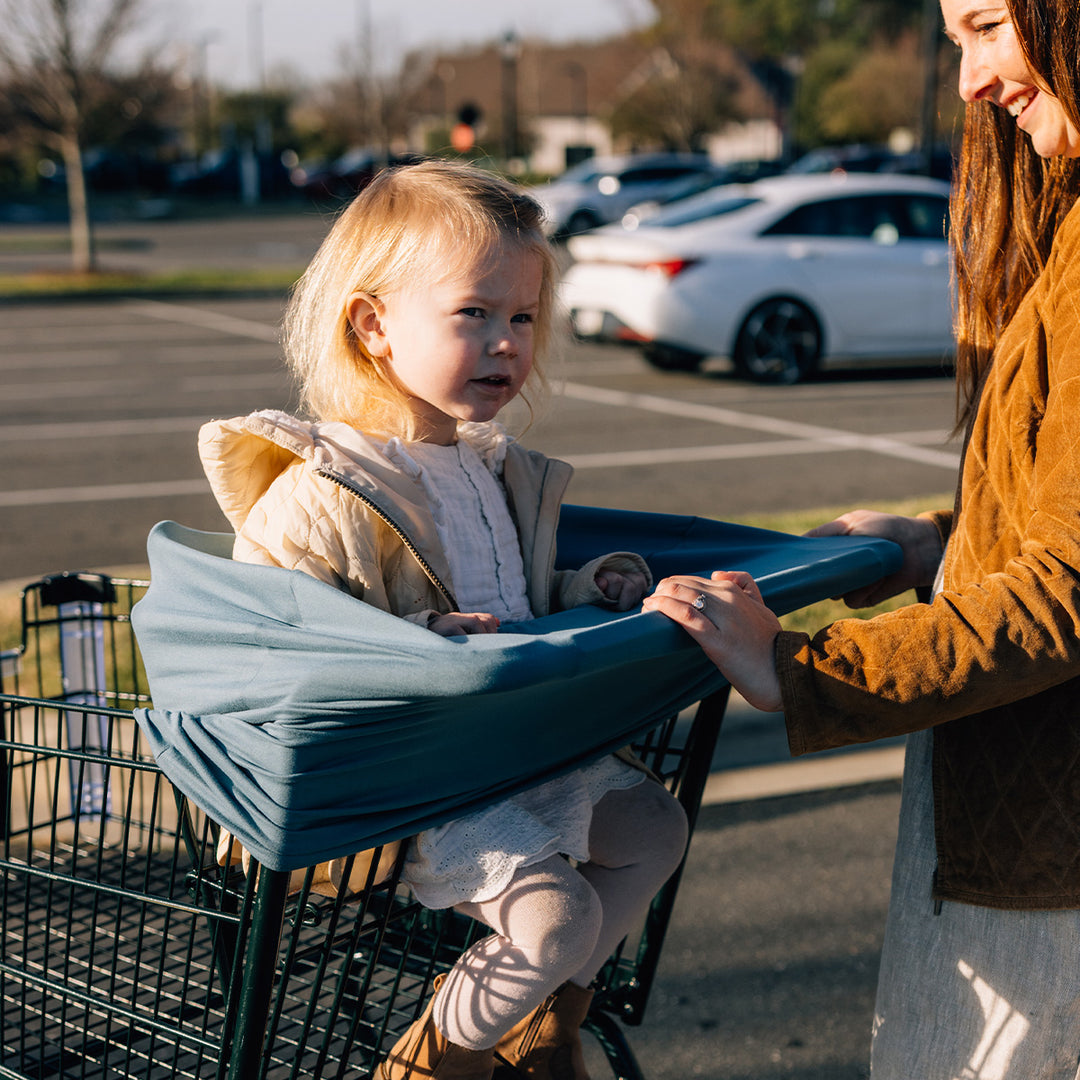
(701, 210)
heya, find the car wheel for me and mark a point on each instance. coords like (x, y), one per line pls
(672, 358)
(582, 221)
(779, 342)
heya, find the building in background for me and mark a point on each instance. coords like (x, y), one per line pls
(545, 107)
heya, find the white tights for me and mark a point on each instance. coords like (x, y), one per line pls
(552, 915)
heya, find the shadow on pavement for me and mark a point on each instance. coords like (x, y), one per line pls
(771, 959)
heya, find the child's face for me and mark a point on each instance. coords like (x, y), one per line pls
(462, 346)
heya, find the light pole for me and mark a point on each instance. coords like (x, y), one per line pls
(510, 50)
(263, 140)
(579, 107)
(202, 95)
(931, 44)
(579, 101)
(253, 149)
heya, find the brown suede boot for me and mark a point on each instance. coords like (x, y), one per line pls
(546, 1045)
(423, 1052)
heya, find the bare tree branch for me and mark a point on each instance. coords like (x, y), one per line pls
(53, 54)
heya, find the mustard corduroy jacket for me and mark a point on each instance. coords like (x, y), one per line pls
(993, 663)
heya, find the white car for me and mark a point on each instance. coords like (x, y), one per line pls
(776, 275)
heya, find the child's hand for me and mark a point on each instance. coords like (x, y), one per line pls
(622, 591)
(456, 622)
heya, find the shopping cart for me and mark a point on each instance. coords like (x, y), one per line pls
(126, 951)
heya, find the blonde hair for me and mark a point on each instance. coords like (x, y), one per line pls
(410, 221)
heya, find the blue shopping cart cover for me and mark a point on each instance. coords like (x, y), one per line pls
(312, 725)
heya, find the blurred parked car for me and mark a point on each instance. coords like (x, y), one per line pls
(864, 158)
(108, 171)
(734, 172)
(601, 190)
(854, 158)
(777, 275)
(940, 165)
(220, 174)
(343, 177)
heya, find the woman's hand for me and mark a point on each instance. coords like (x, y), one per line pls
(728, 618)
(918, 539)
(455, 623)
(622, 591)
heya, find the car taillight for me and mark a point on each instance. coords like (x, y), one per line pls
(668, 267)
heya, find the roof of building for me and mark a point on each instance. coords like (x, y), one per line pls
(578, 79)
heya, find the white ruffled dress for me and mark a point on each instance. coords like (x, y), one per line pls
(474, 857)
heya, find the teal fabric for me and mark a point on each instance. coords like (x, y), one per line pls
(312, 725)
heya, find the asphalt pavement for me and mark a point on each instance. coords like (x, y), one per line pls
(770, 963)
(771, 956)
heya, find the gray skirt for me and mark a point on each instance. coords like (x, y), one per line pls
(972, 993)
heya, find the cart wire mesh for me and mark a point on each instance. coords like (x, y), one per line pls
(126, 951)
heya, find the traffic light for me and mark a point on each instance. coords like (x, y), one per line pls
(463, 133)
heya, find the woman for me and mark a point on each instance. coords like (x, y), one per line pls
(980, 975)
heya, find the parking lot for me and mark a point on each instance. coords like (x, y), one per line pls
(100, 403)
(772, 953)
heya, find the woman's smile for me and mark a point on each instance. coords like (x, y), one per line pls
(993, 68)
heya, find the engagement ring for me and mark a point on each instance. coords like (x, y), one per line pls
(699, 602)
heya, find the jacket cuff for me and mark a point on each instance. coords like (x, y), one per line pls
(787, 645)
(579, 587)
(422, 618)
(942, 521)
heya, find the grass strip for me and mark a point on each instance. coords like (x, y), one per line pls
(815, 616)
(68, 285)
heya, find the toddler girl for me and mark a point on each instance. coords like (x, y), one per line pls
(418, 320)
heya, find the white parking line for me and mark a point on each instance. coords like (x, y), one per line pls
(194, 384)
(862, 766)
(684, 454)
(48, 391)
(795, 438)
(101, 429)
(615, 459)
(716, 414)
(160, 356)
(210, 320)
(155, 489)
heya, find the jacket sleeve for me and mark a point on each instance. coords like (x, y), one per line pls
(942, 520)
(572, 588)
(1006, 626)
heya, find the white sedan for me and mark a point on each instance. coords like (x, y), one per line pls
(776, 275)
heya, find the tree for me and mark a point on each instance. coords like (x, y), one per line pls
(687, 90)
(837, 70)
(874, 94)
(54, 56)
(780, 28)
(358, 109)
(677, 106)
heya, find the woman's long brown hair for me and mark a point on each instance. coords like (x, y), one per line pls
(1007, 202)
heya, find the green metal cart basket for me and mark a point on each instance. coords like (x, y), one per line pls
(126, 951)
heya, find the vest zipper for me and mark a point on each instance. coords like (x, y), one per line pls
(398, 531)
